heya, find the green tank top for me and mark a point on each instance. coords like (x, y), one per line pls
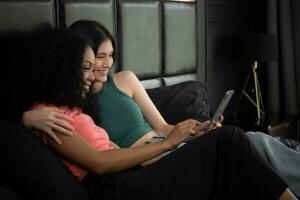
(120, 116)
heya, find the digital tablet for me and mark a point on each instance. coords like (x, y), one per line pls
(221, 108)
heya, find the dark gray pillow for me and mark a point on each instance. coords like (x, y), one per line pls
(32, 170)
(181, 101)
(6, 194)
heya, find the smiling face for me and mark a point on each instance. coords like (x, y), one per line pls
(104, 61)
(88, 70)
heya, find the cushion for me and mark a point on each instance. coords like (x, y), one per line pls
(181, 101)
(6, 194)
(31, 169)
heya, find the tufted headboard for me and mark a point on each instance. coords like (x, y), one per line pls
(159, 40)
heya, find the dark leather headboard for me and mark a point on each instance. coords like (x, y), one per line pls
(25, 15)
(156, 39)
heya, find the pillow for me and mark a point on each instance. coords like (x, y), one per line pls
(181, 101)
(6, 194)
(30, 169)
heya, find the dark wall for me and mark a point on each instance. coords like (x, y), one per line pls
(226, 19)
(296, 34)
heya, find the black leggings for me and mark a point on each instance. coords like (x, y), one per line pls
(219, 165)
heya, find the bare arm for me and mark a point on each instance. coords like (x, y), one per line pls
(80, 152)
(114, 145)
(129, 83)
(46, 120)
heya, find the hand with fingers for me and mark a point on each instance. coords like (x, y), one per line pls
(47, 120)
(215, 124)
(218, 122)
(183, 131)
(220, 119)
(201, 128)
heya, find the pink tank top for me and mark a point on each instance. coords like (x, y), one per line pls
(87, 129)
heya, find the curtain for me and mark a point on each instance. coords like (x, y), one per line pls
(282, 83)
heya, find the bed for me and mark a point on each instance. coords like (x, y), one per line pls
(161, 41)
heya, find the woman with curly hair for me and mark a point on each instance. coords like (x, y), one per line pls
(222, 164)
(29, 168)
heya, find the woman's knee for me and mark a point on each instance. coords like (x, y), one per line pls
(232, 133)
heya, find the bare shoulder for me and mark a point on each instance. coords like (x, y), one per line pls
(126, 81)
(124, 77)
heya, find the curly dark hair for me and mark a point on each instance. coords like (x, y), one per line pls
(54, 66)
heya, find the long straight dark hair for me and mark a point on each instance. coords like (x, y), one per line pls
(96, 33)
